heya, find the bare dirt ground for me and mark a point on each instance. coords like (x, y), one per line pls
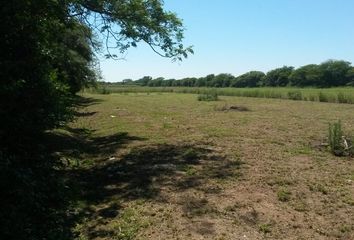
(165, 166)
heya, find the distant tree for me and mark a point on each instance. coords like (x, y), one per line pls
(278, 77)
(144, 81)
(157, 82)
(167, 83)
(209, 80)
(335, 72)
(250, 79)
(222, 80)
(350, 77)
(200, 82)
(127, 81)
(308, 75)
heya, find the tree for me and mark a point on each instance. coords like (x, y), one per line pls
(308, 75)
(128, 22)
(222, 80)
(47, 54)
(350, 77)
(127, 81)
(335, 72)
(250, 79)
(209, 80)
(278, 77)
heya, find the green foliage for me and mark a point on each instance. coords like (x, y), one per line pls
(47, 55)
(295, 95)
(322, 97)
(250, 79)
(345, 98)
(278, 77)
(335, 134)
(283, 194)
(331, 73)
(309, 75)
(190, 155)
(335, 72)
(209, 96)
(339, 144)
(265, 228)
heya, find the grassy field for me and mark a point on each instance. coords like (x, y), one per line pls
(166, 166)
(335, 95)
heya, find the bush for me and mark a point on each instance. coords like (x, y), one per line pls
(322, 97)
(339, 144)
(295, 95)
(103, 90)
(211, 96)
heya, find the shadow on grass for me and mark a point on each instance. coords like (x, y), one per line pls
(140, 174)
(144, 171)
(80, 101)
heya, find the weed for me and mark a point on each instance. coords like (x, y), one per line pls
(335, 134)
(344, 228)
(312, 98)
(209, 96)
(300, 206)
(322, 97)
(283, 194)
(265, 228)
(102, 90)
(319, 188)
(339, 144)
(341, 98)
(193, 206)
(129, 225)
(233, 208)
(188, 169)
(295, 95)
(190, 155)
(191, 171)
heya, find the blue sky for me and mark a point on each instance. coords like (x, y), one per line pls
(236, 36)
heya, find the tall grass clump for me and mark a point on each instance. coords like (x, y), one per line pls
(339, 144)
(295, 95)
(344, 98)
(102, 90)
(208, 96)
(322, 97)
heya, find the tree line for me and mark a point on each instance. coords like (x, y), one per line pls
(331, 73)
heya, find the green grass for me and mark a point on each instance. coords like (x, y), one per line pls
(265, 228)
(164, 165)
(336, 95)
(283, 194)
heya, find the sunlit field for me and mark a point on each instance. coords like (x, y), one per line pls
(166, 166)
(336, 95)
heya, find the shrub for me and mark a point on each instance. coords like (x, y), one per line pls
(335, 134)
(211, 96)
(339, 144)
(322, 97)
(295, 95)
(103, 90)
(344, 98)
(341, 98)
(265, 228)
